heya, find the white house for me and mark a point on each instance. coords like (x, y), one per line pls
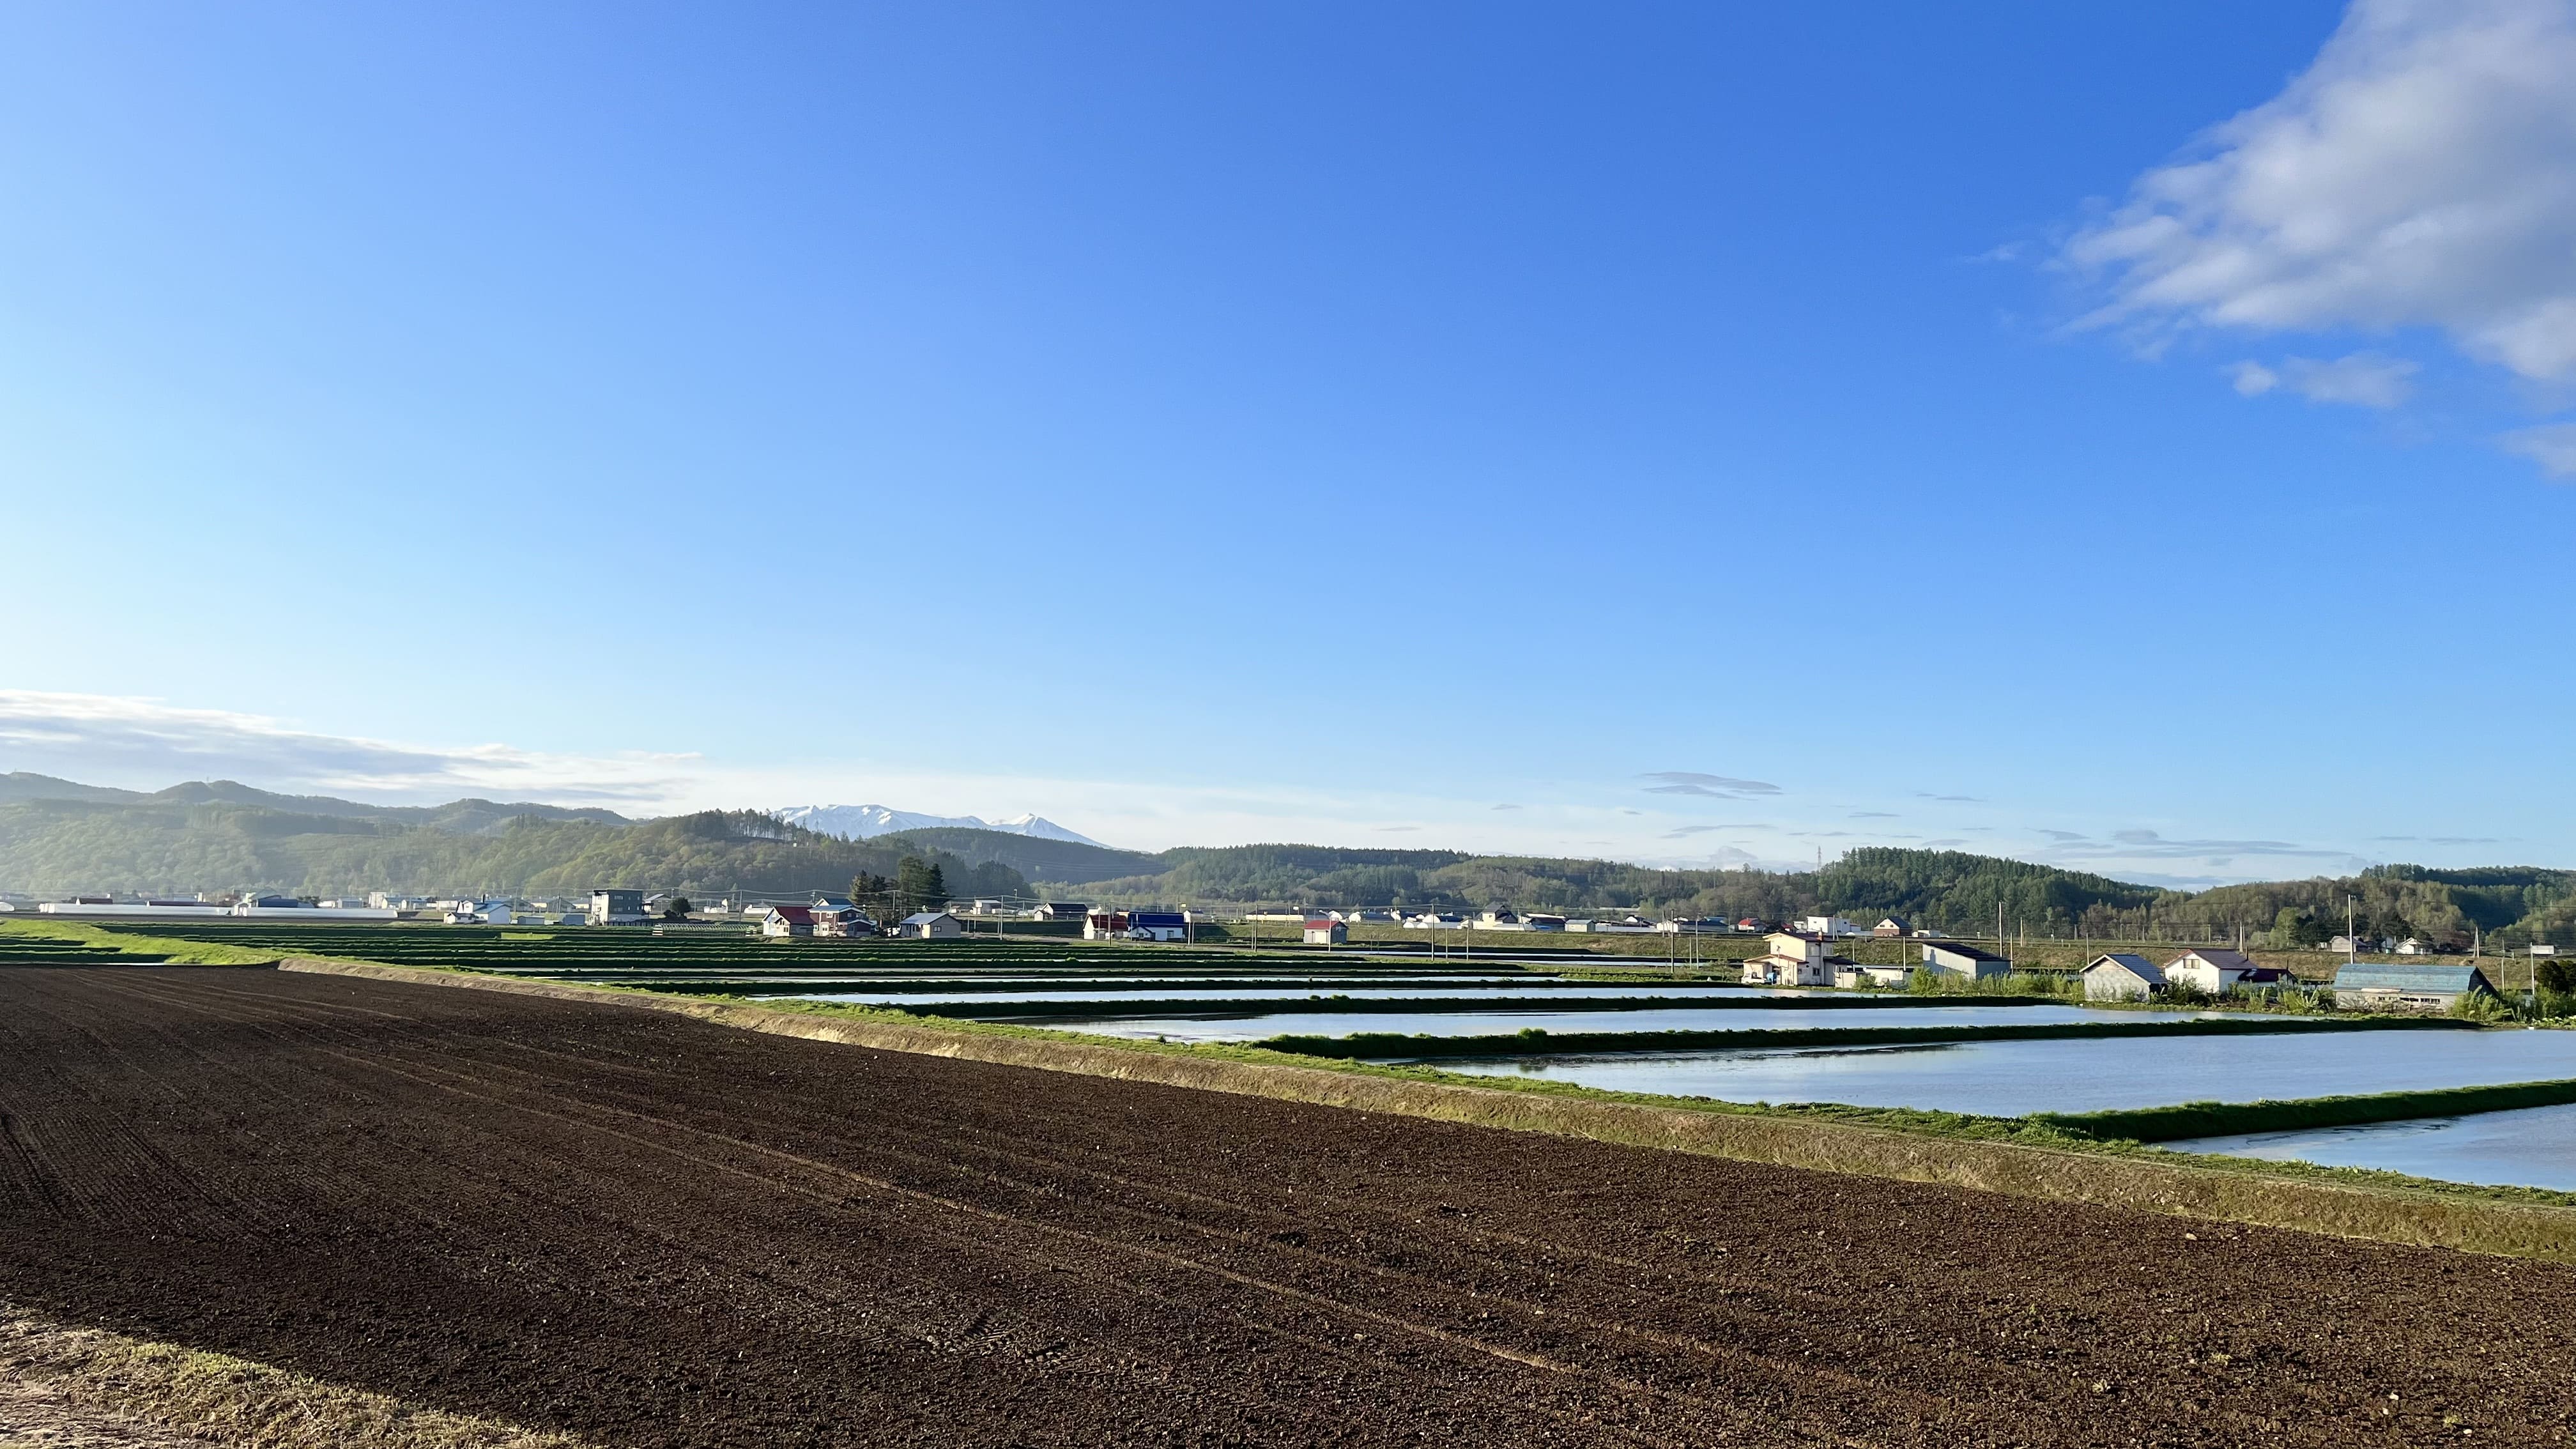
(2413, 947)
(1325, 931)
(787, 921)
(1832, 928)
(931, 926)
(2214, 971)
(2122, 976)
(1775, 969)
(1166, 925)
(1793, 958)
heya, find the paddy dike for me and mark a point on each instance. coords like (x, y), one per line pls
(644, 1229)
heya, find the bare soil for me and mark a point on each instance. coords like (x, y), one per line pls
(646, 1230)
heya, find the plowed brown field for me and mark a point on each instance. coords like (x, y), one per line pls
(652, 1231)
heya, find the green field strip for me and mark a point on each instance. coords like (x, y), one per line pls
(2236, 1119)
(1534, 1041)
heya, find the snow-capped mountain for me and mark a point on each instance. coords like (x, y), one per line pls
(859, 822)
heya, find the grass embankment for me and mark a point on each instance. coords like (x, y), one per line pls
(91, 941)
(1536, 1041)
(212, 1397)
(2232, 1119)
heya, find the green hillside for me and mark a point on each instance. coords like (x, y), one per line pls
(1068, 861)
(60, 847)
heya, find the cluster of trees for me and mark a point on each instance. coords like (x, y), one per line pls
(917, 885)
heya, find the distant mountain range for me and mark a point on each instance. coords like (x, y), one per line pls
(59, 837)
(457, 817)
(865, 822)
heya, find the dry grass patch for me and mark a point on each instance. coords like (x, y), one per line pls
(211, 1398)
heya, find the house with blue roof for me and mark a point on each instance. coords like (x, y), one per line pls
(2407, 986)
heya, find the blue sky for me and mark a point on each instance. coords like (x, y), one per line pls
(2135, 435)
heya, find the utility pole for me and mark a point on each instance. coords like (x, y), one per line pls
(2351, 942)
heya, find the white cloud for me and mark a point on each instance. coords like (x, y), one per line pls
(2552, 446)
(2253, 379)
(103, 739)
(2364, 379)
(2421, 172)
(1721, 787)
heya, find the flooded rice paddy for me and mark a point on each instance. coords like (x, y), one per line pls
(2533, 1147)
(2014, 1078)
(1325, 1022)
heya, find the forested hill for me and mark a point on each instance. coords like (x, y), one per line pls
(1943, 890)
(59, 847)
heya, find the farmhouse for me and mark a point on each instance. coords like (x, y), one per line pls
(1325, 931)
(2409, 987)
(846, 923)
(1892, 926)
(1793, 958)
(2122, 976)
(2215, 970)
(1957, 958)
(788, 921)
(1161, 926)
(931, 926)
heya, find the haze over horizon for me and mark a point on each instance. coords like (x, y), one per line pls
(2132, 438)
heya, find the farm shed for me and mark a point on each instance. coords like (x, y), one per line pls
(2122, 976)
(1324, 931)
(931, 926)
(1957, 958)
(1060, 911)
(2392, 987)
(1848, 975)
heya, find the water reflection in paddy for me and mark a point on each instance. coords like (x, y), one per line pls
(2532, 1147)
(2014, 1078)
(1504, 1023)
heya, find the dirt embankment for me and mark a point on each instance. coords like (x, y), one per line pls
(646, 1230)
